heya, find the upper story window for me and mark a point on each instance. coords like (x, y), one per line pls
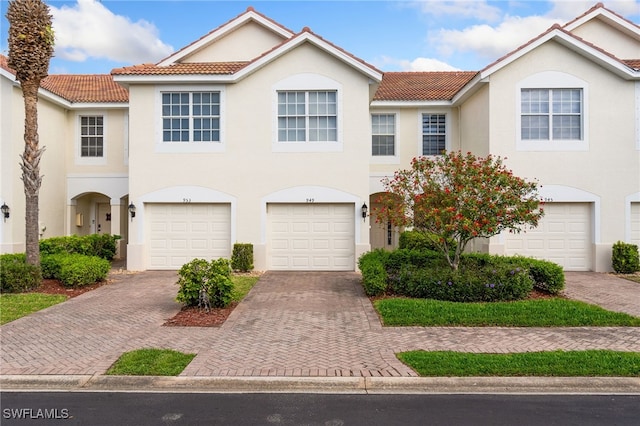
(91, 136)
(383, 134)
(434, 134)
(307, 116)
(191, 116)
(551, 114)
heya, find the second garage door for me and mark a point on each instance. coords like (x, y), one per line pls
(563, 236)
(311, 237)
(178, 233)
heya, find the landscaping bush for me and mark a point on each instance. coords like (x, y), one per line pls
(467, 284)
(214, 276)
(547, 276)
(242, 257)
(101, 245)
(16, 275)
(374, 275)
(417, 240)
(625, 258)
(77, 270)
(50, 265)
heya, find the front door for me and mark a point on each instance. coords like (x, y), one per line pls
(103, 221)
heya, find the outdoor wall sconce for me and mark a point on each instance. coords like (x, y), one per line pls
(5, 211)
(132, 210)
(364, 210)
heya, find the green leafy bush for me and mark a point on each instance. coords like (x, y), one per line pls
(50, 264)
(547, 276)
(625, 258)
(486, 284)
(101, 245)
(214, 276)
(374, 275)
(77, 270)
(242, 257)
(418, 240)
(16, 275)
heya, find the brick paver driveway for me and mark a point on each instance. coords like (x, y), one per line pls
(290, 324)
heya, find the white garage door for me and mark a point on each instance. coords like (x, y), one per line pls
(178, 233)
(563, 236)
(311, 237)
(635, 223)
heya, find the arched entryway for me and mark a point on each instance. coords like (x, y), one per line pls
(382, 233)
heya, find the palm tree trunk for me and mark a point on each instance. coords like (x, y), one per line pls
(31, 172)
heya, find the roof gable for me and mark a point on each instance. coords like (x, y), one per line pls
(249, 17)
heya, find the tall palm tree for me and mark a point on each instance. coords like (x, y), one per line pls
(30, 49)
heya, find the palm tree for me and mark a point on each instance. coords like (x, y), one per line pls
(30, 49)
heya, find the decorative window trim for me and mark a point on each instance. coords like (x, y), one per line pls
(307, 82)
(386, 159)
(447, 136)
(553, 80)
(91, 161)
(190, 146)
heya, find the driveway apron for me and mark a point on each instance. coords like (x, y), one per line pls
(290, 324)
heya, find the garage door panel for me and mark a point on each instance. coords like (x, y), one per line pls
(635, 223)
(311, 236)
(179, 233)
(563, 236)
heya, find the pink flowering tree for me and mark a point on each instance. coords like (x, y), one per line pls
(456, 197)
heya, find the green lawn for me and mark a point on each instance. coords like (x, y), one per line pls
(555, 312)
(14, 306)
(151, 362)
(558, 363)
(241, 286)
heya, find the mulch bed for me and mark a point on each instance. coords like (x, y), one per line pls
(55, 287)
(192, 316)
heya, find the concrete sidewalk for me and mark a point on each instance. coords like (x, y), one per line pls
(317, 325)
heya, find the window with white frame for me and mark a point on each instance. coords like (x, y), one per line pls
(91, 136)
(307, 116)
(434, 134)
(383, 134)
(191, 116)
(551, 114)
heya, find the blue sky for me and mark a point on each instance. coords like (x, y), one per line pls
(94, 36)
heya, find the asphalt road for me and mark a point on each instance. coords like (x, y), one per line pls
(119, 408)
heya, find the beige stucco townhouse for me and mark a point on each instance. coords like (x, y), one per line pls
(258, 134)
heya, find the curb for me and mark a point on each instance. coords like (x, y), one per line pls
(335, 385)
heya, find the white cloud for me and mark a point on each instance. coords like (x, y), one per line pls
(90, 30)
(418, 64)
(469, 9)
(490, 42)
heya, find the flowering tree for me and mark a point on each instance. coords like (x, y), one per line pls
(457, 197)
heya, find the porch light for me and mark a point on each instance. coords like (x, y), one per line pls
(364, 210)
(132, 210)
(5, 211)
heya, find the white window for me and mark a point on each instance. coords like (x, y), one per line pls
(551, 114)
(383, 134)
(307, 116)
(434, 134)
(191, 116)
(91, 136)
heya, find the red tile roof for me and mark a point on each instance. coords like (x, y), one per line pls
(216, 68)
(422, 86)
(99, 88)
(633, 63)
(86, 88)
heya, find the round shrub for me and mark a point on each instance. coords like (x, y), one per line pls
(78, 270)
(16, 275)
(214, 277)
(625, 258)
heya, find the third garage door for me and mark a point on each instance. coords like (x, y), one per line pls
(563, 236)
(311, 237)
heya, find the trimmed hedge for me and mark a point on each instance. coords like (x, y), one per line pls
(75, 270)
(417, 240)
(625, 258)
(242, 257)
(214, 276)
(101, 245)
(480, 277)
(16, 275)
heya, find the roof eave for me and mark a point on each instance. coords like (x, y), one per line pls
(127, 79)
(411, 103)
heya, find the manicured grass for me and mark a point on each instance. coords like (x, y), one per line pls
(555, 312)
(14, 306)
(150, 362)
(631, 277)
(558, 363)
(241, 286)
